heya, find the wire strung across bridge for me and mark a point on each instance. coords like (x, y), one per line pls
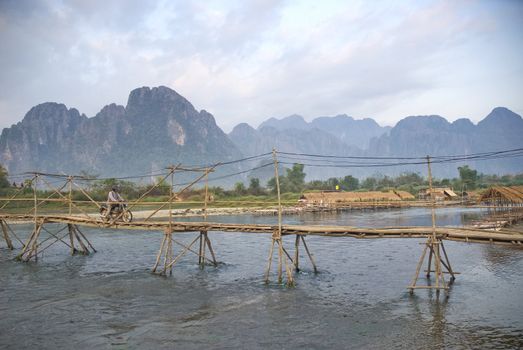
(78, 216)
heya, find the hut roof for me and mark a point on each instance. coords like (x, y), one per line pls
(339, 197)
(512, 194)
(404, 194)
(449, 192)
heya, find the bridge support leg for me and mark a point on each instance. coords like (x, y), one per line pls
(282, 261)
(309, 254)
(6, 234)
(166, 251)
(209, 245)
(30, 248)
(205, 243)
(83, 242)
(441, 266)
(297, 253)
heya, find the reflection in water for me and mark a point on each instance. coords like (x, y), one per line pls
(357, 300)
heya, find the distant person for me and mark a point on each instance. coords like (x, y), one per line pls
(114, 199)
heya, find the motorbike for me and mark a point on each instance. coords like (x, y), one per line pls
(119, 212)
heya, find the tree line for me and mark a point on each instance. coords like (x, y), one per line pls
(292, 180)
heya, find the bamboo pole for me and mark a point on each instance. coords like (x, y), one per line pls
(84, 238)
(296, 253)
(159, 255)
(187, 248)
(200, 251)
(280, 262)
(70, 183)
(429, 263)
(190, 250)
(433, 243)
(6, 235)
(64, 198)
(309, 254)
(211, 250)
(418, 268)
(171, 190)
(449, 267)
(71, 239)
(267, 271)
(84, 251)
(48, 199)
(35, 199)
(181, 191)
(277, 177)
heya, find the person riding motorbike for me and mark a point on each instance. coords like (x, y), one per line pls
(114, 199)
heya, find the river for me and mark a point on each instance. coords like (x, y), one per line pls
(358, 300)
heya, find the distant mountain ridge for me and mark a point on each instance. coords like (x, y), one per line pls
(158, 127)
(501, 129)
(352, 132)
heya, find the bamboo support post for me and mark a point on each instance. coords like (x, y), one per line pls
(269, 262)
(84, 238)
(71, 239)
(70, 197)
(30, 248)
(309, 254)
(296, 253)
(433, 244)
(183, 252)
(210, 250)
(5, 232)
(160, 251)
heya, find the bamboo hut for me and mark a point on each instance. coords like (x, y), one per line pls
(404, 195)
(503, 196)
(341, 198)
(438, 193)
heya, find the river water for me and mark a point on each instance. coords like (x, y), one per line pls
(358, 300)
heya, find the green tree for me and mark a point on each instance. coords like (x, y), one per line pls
(350, 183)
(254, 186)
(239, 188)
(4, 182)
(370, 183)
(468, 176)
(295, 179)
(271, 185)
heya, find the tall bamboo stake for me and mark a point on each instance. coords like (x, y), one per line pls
(35, 183)
(171, 190)
(71, 238)
(6, 235)
(70, 183)
(433, 244)
(277, 177)
(269, 262)
(296, 253)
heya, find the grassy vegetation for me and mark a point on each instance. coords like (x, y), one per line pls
(292, 185)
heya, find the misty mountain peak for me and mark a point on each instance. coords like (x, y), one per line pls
(463, 124)
(423, 122)
(293, 121)
(160, 96)
(242, 127)
(501, 116)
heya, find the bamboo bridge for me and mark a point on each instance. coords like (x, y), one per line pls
(77, 217)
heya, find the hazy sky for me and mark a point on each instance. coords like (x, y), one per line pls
(246, 61)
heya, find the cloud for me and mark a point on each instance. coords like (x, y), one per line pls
(247, 61)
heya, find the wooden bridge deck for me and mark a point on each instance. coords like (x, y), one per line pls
(463, 234)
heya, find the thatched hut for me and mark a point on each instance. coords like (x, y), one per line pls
(503, 195)
(340, 198)
(438, 193)
(404, 195)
